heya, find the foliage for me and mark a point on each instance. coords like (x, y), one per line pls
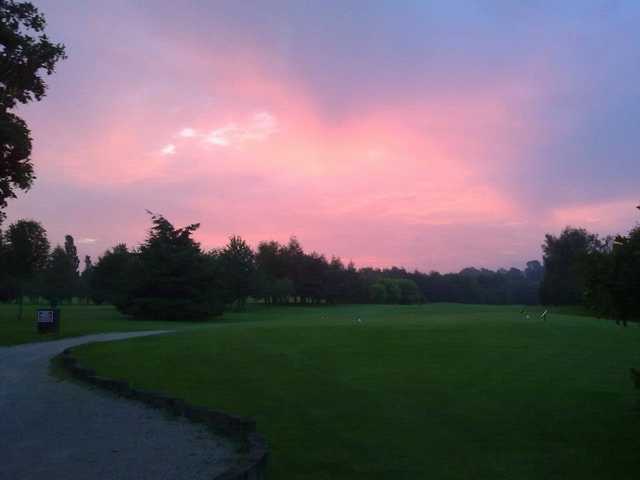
(26, 249)
(60, 278)
(565, 265)
(237, 269)
(602, 274)
(8, 287)
(613, 278)
(108, 279)
(25, 55)
(171, 271)
(16, 170)
(395, 291)
(84, 284)
(169, 277)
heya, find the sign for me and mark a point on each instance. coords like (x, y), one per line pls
(48, 320)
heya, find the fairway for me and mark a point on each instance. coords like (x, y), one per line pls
(435, 391)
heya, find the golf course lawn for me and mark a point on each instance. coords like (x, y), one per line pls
(436, 391)
(75, 320)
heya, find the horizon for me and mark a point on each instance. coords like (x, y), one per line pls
(428, 137)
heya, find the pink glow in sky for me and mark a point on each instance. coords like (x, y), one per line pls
(397, 142)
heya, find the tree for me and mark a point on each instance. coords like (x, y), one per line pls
(534, 271)
(170, 278)
(613, 278)
(565, 266)
(72, 252)
(109, 277)
(85, 279)
(237, 264)
(26, 55)
(27, 251)
(409, 291)
(8, 289)
(60, 277)
(625, 278)
(378, 292)
(271, 269)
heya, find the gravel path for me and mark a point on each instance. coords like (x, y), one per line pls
(52, 429)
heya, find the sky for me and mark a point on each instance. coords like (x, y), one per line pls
(430, 135)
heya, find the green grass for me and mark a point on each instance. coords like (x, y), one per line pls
(75, 320)
(436, 391)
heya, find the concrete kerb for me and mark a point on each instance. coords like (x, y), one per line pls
(253, 463)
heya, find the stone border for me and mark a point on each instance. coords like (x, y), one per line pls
(255, 451)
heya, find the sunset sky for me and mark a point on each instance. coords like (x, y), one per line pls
(429, 135)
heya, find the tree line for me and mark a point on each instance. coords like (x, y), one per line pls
(601, 273)
(170, 276)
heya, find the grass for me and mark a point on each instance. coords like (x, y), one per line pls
(436, 391)
(75, 320)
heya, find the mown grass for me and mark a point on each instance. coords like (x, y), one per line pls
(436, 391)
(75, 320)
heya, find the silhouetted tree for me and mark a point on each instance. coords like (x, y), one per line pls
(8, 287)
(85, 279)
(72, 252)
(60, 276)
(612, 286)
(170, 278)
(25, 55)
(534, 271)
(109, 278)
(27, 249)
(237, 267)
(565, 266)
(271, 280)
(378, 292)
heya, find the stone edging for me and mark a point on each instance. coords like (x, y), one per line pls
(255, 451)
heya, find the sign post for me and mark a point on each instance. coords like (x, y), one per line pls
(48, 320)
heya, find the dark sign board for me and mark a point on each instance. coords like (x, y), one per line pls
(48, 320)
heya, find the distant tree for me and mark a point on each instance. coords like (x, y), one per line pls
(613, 279)
(269, 268)
(25, 55)
(336, 281)
(378, 292)
(237, 264)
(394, 293)
(109, 278)
(292, 258)
(598, 295)
(624, 278)
(355, 290)
(85, 279)
(71, 251)
(409, 291)
(8, 288)
(27, 249)
(60, 276)
(282, 290)
(312, 270)
(534, 271)
(170, 278)
(565, 266)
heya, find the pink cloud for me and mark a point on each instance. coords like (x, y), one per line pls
(234, 142)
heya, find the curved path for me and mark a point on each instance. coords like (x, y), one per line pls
(52, 429)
